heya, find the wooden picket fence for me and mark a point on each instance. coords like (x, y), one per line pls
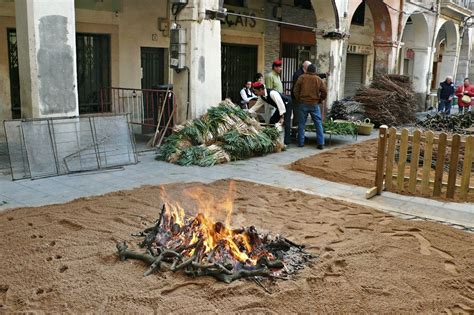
(423, 164)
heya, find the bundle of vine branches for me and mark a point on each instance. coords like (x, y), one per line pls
(224, 133)
(388, 100)
(457, 123)
(347, 109)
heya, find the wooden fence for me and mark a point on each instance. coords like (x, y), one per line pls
(424, 164)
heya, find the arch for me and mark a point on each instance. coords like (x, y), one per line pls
(414, 58)
(446, 52)
(449, 30)
(327, 16)
(416, 32)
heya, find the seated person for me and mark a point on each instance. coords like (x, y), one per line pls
(247, 95)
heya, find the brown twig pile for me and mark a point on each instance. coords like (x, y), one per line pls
(388, 100)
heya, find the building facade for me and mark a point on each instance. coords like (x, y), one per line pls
(56, 55)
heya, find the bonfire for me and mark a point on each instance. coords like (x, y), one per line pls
(200, 245)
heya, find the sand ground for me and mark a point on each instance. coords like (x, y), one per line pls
(355, 164)
(61, 258)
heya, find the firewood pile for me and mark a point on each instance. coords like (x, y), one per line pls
(200, 246)
(388, 100)
(224, 133)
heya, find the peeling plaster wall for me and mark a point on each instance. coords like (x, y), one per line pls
(47, 59)
(364, 36)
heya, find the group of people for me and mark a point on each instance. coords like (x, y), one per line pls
(464, 93)
(307, 94)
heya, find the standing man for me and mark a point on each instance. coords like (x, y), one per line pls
(272, 79)
(281, 102)
(301, 70)
(465, 93)
(446, 95)
(310, 91)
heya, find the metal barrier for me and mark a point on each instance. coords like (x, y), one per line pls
(147, 108)
(436, 162)
(45, 147)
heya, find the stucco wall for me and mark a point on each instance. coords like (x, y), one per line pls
(364, 36)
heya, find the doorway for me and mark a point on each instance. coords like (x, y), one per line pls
(153, 67)
(14, 74)
(239, 64)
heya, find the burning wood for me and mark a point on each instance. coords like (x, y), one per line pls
(202, 246)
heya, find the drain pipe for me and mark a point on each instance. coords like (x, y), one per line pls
(399, 36)
(201, 11)
(433, 43)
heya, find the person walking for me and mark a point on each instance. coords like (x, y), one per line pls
(446, 95)
(465, 94)
(247, 95)
(310, 91)
(272, 79)
(281, 102)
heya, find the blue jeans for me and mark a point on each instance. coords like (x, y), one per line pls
(315, 112)
(445, 106)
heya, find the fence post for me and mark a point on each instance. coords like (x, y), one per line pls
(382, 145)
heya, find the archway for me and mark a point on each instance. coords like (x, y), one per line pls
(445, 55)
(370, 47)
(414, 59)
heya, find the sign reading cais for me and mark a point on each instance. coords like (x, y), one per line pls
(244, 23)
(234, 21)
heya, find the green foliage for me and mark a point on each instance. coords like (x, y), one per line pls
(225, 133)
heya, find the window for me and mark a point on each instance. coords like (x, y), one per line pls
(304, 4)
(359, 15)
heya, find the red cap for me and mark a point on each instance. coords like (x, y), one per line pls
(257, 85)
(277, 63)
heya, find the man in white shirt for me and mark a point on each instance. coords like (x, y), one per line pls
(247, 95)
(275, 99)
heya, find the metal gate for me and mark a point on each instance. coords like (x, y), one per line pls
(153, 67)
(93, 69)
(293, 56)
(239, 65)
(354, 74)
(14, 73)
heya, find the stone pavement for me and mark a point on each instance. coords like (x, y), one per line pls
(268, 170)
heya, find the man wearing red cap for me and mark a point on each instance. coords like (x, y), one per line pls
(272, 79)
(281, 102)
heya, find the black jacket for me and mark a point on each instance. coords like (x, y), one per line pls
(447, 90)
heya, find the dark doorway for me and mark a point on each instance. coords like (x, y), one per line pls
(14, 74)
(153, 67)
(238, 65)
(93, 69)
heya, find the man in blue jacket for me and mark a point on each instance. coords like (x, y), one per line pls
(446, 95)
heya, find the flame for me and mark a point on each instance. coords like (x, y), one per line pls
(206, 227)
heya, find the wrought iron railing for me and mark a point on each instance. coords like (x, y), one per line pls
(147, 108)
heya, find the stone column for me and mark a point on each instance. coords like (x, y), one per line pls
(447, 65)
(330, 57)
(203, 59)
(421, 69)
(385, 56)
(47, 57)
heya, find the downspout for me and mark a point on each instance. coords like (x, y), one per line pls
(201, 11)
(399, 34)
(433, 43)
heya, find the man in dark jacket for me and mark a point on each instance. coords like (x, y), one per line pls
(446, 95)
(310, 91)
